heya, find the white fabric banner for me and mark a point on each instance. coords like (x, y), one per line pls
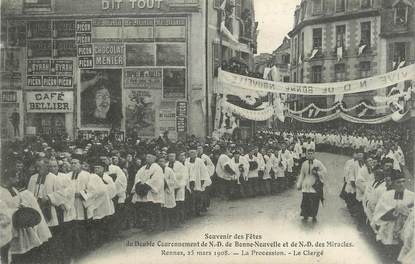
(376, 120)
(230, 83)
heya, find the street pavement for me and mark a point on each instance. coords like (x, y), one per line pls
(335, 238)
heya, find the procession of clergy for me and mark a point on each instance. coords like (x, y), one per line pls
(81, 208)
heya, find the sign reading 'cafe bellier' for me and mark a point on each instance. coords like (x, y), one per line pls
(49, 102)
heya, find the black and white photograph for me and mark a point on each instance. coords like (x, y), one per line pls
(207, 131)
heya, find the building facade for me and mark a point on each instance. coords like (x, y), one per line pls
(138, 67)
(337, 40)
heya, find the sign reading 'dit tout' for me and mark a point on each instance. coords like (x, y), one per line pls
(133, 4)
(109, 55)
(49, 102)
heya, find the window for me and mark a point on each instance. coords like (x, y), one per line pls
(340, 36)
(303, 10)
(317, 7)
(340, 5)
(401, 14)
(365, 3)
(339, 72)
(365, 70)
(286, 79)
(295, 77)
(317, 38)
(365, 32)
(316, 74)
(286, 58)
(301, 75)
(295, 51)
(302, 45)
(399, 52)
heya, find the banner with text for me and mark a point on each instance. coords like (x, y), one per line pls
(230, 83)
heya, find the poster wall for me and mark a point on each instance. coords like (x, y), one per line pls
(100, 98)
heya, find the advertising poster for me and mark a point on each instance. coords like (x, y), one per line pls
(167, 119)
(83, 38)
(39, 48)
(39, 29)
(107, 30)
(171, 54)
(64, 48)
(13, 59)
(34, 81)
(83, 26)
(143, 79)
(138, 30)
(11, 80)
(140, 54)
(108, 55)
(49, 102)
(38, 67)
(16, 34)
(64, 29)
(101, 102)
(181, 118)
(170, 29)
(62, 67)
(85, 50)
(174, 83)
(141, 112)
(10, 115)
(37, 5)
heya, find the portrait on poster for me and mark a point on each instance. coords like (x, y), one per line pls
(100, 98)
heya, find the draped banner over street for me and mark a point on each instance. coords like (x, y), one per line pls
(230, 83)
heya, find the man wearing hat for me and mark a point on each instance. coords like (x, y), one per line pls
(198, 179)
(42, 184)
(312, 172)
(256, 164)
(102, 224)
(170, 183)
(120, 181)
(211, 170)
(149, 192)
(83, 187)
(240, 166)
(391, 212)
(224, 171)
(182, 178)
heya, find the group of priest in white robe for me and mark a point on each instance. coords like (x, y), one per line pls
(376, 195)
